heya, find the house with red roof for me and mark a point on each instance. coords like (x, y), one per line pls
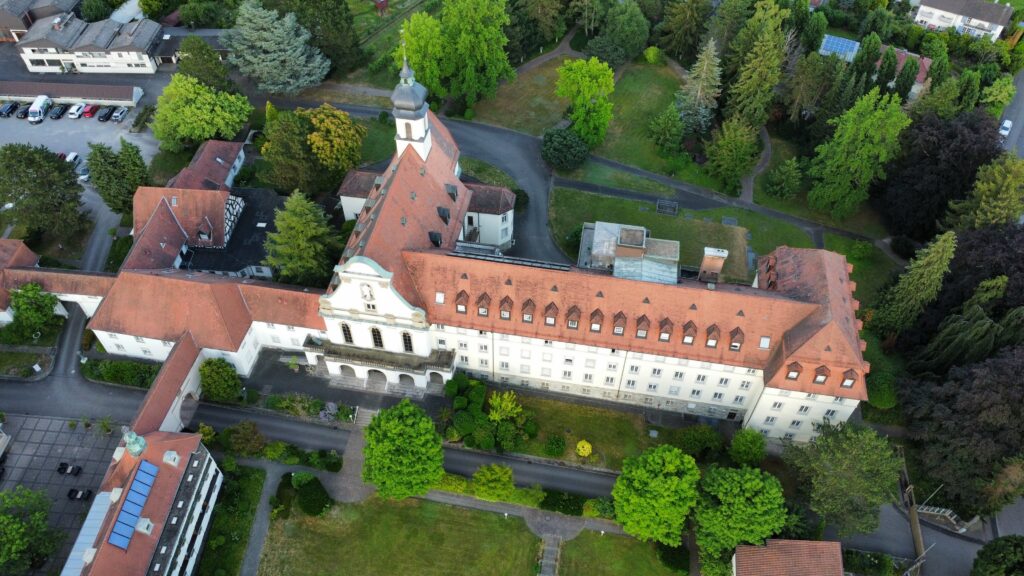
(788, 558)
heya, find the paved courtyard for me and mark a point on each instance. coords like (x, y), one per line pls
(38, 445)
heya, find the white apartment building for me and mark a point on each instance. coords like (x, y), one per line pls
(64, 43)
(978, 18)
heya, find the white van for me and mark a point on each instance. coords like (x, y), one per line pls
(40, 107)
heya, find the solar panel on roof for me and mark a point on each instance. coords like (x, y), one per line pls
(842, 47)
(140, 488)
(123, 529)
(127, 518)
(143, 478)
(149, 468)
(119, 541)
(134, 502)
(136, 498)
(132, 508)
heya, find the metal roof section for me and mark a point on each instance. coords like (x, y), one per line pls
(87, 535)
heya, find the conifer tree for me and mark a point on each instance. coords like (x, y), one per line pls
(886, 70)
(867, 55)
(303, 247)
(765, 22)
(942, 99)
(997, 197)
(901, 305)
(814, 32)
(116, 175)
(761, 69)
(331, 27)
(732, 152)
(729, 18)
(274, 50)
(969, 85)
(939, 70)
(705, 80)
(906, 78)
(681, 30)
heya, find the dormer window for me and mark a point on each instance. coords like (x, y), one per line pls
(549, 320)
(619, 330)
(735, 339)
(482, 311)
(596, 317)
(506, 308)
(689, 333)
(665, 328)
(528, 318)
(849, 377)
(482, 304)
(620, 324)
(572, 318)
(713, 334)
(460, 308)
(793, 371)
(528, 311)
(550, 314)
(821, 374)
(642, 326)
(506, 315)
(461, 301)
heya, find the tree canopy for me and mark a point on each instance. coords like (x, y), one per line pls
(747, 447)
(757, 52)
(188, 112)
(732, 152)
(849, 471)
(1000, 557)
(425, 51)
(42, 187)
(274, 50)
(403, 455)
(303, 245)
(475, 59)
(737, 506)
(335, 139)
(997, 197)
(587, 84)
(681, 31)
(201, 62)
(33, 308)
(25, 535)
(626, 28)
(902, 303)
(655, 493)
(116, 175)
(331, 27)
(219, 380)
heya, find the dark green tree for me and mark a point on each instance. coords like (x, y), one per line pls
(42, 187)
(1000, 557)
(475, 59)
(729, 18)
(906, 78)
(747, 447)
(303, 246)
(682, 28)
(759, 50)
(547, 17)
(939, 70)
(814, 32)
(655, 493)
(886, 70)
(867, 55)
(969, 85)
(942, 100)
(785, 180)
(332, 29)
(564, 149)
(732, 152)
(879, 21)
(219, 380)
(33, 308)
(96, 10)
(201, 62)
(403, 455)
(736, 506)
(902, 303)
(116, 175)
(666, 129)
(626, 28)
(26, 538)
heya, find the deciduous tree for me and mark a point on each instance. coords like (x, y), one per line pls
(626, 28)
(747, 447)
(996, 96)
(33, 308)
(116, 175)
(274, 50)
(655, 493)
(997, 197)
(587, 84)
(867, 55)
(886, 70)
(737, 506)
(188, 112)
(866, 138)
(589, 13)
(493, 482)
(26, 538)
(682, 28)
(201, 62)
(732, 152)
(331, 27)
(42, 187)
(547, 15)
(807, 85)
(424, 48)
(1000, 557)
(901, 304)
(335, 139)
(850, 471)
(503, 406)
(96, 10)
(403, 455)
(303, 246)
(475, 59)
(219, 380)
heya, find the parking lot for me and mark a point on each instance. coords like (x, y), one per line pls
(74, 135)
(38, 446)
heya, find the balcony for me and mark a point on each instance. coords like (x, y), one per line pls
(374, 358)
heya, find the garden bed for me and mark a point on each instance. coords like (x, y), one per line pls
(20, 364)
(233, 514)
(124, 372)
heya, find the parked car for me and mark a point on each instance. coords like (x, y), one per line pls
(83, 173)
(1004, 129)
(39, 109)
(69, 469)
(119, 114)
(22, 112)
(76, 494)
(74, 159)
(7, 109)
(105, 114)
(90, 111)
(58, 111)
(75, 112)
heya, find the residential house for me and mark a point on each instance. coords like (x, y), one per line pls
(978, 18)
(788, 558)
(64, 43)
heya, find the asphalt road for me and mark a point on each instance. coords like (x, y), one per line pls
(1015, 111)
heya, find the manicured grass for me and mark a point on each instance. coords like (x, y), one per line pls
(231, 523)
(166, 164)
(614, 435)
(871, 271)
(379, 142)
(339, 93)
(866, 221)
(487, 173)
(20, 363)
(842, 33)
(594, 554)
(644, 91)
(385, 538)
(527, 104)
(607, 176)
(118, 252)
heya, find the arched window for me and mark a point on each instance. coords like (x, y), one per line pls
(407, 341)
(378, 342)
(408, 131)
(347, 333)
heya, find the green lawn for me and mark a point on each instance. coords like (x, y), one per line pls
(379, 142)
(842, 33)
(614, 435)
(387, 538)
(487, 173)
(569, 209)
(232, 521)
(47, 336)
(643, 91)
(593, 554)
(20, 363)
(871, 270)
(166, 164)
(866, 221)
(527, 104)
(384, 42)
(607, 176)
(118, 252)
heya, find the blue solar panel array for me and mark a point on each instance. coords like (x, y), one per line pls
(842, 47)
(134, 501)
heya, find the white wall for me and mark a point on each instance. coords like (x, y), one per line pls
(796, 414)
(933, 18)
(495, 229)
(350, 206)
(89, 62)
(134, 346)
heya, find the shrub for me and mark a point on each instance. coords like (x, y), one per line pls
(785, 180)
(300, 479)
(451, 388)
(228, 464)
(564, 502)
(451, 434)
(245, 438)
(522, 199)
(383, 117)
(676, 558)
(464, 423)
(207, 432)
(531, 496)
(699, 441)
(126, 372)
(861, 249)
(493, 482)
(882, 389)
(476, 394)
(868, 563)
(469, 114)
(219, 380)
(460, 403)
(583, 448)
(325, 460)
(453, 483)
(652, 55)
(555, 446)
(311, 495)
(564, 149)
(599, 508)
(275, 450)
(531, 428)
(508, 436)
(747, 448)
(484, 439)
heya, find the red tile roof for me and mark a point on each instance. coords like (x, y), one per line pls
(490, 199)
(790, 558)
(196, 211)
(55, 281)
(13, 253)
(923, 63)
(158, 244)
(167, 386)
(204, 172)
(136, 559)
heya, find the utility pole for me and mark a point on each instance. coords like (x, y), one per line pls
(907, 490)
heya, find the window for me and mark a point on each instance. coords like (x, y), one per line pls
(734, 346)
(567, 361)
(588, 377)
(631, 384)
(442, 343)
(139, 339)
(652, 387)
(777, 405)
(549, 320)
(545, 372)
(146, 352)
(346, 332)
(664, 336)
(712, 342)
(641, 333)
(745, 385)
(739, 399)
(524, 368)
(503, 351)
(484, 363)
(371, 307)
(169, 344)
(573, 324)
(769, 420)
(695, 393)
(717, 396)
(634, 369)
(464, 359)
(688, 340)
(503, 365)
(590, 363)
(788, 436)
(609, 380)
(567, 374)
(484, 348)
(506, 315)
(463, 346)
(847, 382)
(830, 413)
(702, 378)
(524, 354)
(407, 342)
(618, 330)
(482, 311)
(546, 356)
(119, 347)
(792, 375)
(439, 297)
(378, 341)
(837, 400)
(114, 336)
(677, 376)
(723, 381)
(795, 424)
(460, 308)
(766, 342)
(595, 327)
(804, 409)
(673, 390)
(656, 372)
(547, 343)
(528, 318)
(612, 367)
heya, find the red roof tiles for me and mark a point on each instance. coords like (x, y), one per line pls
(209, 167)
(197, 211)
(158, 243)
(790, 558)
(490, 199)
(357, 183)
(166, 386)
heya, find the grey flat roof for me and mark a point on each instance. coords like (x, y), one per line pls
(245, 248)
(61, 90)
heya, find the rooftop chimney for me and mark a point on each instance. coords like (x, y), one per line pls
(711, 265)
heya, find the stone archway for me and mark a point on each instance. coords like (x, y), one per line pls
(436, 378)
(376, 378)
(189, 404)
(347, 371)
(406, 380)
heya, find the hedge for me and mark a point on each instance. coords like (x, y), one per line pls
(126, 372)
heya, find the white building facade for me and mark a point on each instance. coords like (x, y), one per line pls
(977, 18)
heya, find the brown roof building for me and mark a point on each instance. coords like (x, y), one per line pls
(789, 558)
